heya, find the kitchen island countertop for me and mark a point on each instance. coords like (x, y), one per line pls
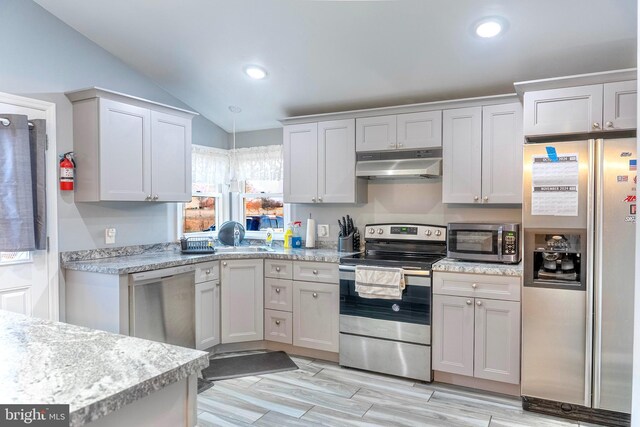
(95, 372)
(496, 269)
(125, 264)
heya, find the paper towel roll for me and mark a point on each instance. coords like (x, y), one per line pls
(311, 234)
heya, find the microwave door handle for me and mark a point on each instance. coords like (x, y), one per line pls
(500, 242)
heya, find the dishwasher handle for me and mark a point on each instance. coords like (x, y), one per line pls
(138, 278)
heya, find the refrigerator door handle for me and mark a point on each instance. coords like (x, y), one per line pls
(597, 273)
(594, 176)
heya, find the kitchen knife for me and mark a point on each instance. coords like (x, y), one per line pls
(344, 223)
(340, 233)
(349, 228)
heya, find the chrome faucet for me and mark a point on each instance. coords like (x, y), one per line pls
(236, 235)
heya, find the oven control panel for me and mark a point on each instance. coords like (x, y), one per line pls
(425, 232)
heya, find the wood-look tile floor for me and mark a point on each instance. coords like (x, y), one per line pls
(321, 393)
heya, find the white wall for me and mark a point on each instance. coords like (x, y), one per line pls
(42, 58)
(257, 137)
(635, 395)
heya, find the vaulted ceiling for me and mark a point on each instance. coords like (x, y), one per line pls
(324, 56)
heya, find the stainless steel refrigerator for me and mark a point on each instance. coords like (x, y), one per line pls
(579, 213)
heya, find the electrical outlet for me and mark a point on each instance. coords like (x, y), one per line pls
(109, 236)
(323, 230)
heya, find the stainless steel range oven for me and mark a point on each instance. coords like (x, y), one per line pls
(391, 336)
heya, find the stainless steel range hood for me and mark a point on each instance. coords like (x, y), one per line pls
(400, 164)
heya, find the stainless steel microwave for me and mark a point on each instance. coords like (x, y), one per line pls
(487, 242)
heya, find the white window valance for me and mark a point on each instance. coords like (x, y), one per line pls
(210, 168)
(262, 163)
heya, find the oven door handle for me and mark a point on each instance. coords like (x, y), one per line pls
(407, 271)
(500, 229)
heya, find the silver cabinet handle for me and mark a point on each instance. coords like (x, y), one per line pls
(478, 303)
(609, 124)
(468, 302)
(315, 271)
(399, 144)
(278, 269)
(224, 264)
(148, 197)
(313, 199)
(475, 198)
(392, 144)
(277, 322)
(474, 285)
(319, 199)
(217, 283)
(315, 295)
(486, 198)
(596, 125)
(208, 271)
(277, 290)
(155, 197)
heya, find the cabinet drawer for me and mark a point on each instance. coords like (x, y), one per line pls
(277, 294)
(326, 272)
(207, 271)
(477, 286)
(278, 269)
(278, 326)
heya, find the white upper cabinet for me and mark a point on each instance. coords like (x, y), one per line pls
(462, 155)
(482, 154)
(411, 131)
(419, 130)
(502, 142)
(580, 109)
(620, 105)
(319, 163)
(301, 163)
(129, 149)
(376, 133)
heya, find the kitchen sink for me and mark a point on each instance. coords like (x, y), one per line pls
(243, 249)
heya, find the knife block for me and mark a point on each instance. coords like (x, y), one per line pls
(345, 244)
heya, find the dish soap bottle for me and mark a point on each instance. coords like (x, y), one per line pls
(287, 236)
(296, 240)
(269, 239)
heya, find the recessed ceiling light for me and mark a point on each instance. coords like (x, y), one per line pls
(488, 28)
(255, 72)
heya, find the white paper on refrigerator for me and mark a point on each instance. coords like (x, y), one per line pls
(555, 185)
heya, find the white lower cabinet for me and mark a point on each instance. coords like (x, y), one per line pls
(316, 314)
(476, 337)
(207, 314)
(242, 300)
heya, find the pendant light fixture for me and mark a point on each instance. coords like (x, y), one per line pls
(234, 185)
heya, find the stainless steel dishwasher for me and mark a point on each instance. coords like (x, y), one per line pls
(162, 305)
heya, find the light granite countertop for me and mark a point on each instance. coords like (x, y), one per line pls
(95, 372)
(456, 266)
(124, 264)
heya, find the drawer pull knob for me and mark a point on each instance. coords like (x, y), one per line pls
(315, 295)
(609, 124)
(224, 264)
(468, 302)
(278, 269)
(315, 271)
(277, 290)
(277, 322)
(474, 285)
(208, 271)
(478, 303)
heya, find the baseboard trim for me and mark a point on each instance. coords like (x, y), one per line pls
(477, 383)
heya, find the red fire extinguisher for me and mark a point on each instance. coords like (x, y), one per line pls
(67, 166)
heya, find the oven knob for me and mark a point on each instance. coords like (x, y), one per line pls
(395, 307)
(428, 232)
(438, 232)
(371, 231)
(380, 231)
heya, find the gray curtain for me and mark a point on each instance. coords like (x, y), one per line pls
(22, 185)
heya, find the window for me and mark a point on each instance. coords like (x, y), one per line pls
(14, 257)
(210, 171)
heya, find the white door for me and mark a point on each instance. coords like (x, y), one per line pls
(170, 151)
(502, 142)
(316, 312)
(300, 163)
(337, 161)
(462, 155)
(242, 300)
(452, 347)
(376, 133)
(207, 314)
(420, 130)
(125, 151)
(620, 105)
(30, 286)
(497, 340)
